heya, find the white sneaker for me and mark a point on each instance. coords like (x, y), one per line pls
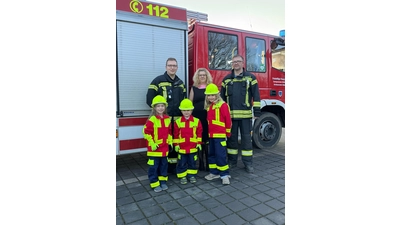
(211, 176)
(225, 179)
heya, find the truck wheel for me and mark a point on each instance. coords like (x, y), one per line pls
(267, 131)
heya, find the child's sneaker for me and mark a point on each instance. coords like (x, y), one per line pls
(192, 180)
(211, 176)
(225, 179)
(164, 187)
(157, 189)
(184, 180)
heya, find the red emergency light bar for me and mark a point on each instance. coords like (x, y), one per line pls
(152, 9)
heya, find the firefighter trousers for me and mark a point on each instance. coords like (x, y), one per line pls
(157, 173)
(217, 157)
(186, 165)
(245, 126)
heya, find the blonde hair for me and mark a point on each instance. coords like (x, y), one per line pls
(196, 79)
(154, 112)
(208, 103)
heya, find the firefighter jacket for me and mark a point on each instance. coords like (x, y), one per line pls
(174, 91)
(219, 120)
(187, 134)
(241, 93)
(158, 130)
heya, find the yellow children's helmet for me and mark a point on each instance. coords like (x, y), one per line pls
(211, 89)
(186, 104)
(158, 100)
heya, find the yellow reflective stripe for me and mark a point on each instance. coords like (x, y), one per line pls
(256, 104)
(164, 84)
(247, 92)
(223, 168)
(213, 166)
(232, 151)
(154, 87)
(155, 154)
(228, 130)
(176, 141)
(162, 178)
(155, 184)
(241, 113)
(199, 139)
(247, 152)
(181, 175)
(219, 135)
(192, 171)
(254, 82)
(183, 151)
(150, 162)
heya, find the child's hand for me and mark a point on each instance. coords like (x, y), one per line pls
(154, 146)
(198, 146)
(177, 148)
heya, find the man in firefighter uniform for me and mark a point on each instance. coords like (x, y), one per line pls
(240, 90)
(172, 88)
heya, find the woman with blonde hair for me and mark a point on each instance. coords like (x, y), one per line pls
(201, 79)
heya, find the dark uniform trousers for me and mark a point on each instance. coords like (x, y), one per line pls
(245, 126)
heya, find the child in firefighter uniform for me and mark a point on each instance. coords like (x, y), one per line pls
(187, 141)
(157, 132)
(219, 128)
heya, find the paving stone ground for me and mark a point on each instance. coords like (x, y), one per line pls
(257, 198)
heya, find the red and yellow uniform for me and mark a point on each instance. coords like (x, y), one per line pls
(157, 131)
(188, 134)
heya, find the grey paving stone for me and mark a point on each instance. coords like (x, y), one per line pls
(140, 222)
(261, 180)
(135, 185)
(279, 174)
(124, 200)
(205, 186)
(142, 196)
(214, 192)
(227, 188)
(193, 190)
(146, 203)
(275, 204)
(167, 206)
(277, 218)
(188, 200)
(159, 219)
(132, 216)
(210, 203)
(154, 210)
(121, 188)
(187, 221)
(272, 184)
(263, 209)
(249, 214)
(282, 211)
(282, 198)
(221, 211)
(224, 199)
(281, 189)
(237, 195)
(205, 217)
(271, 177)
(274, 193)
(249, 201)
(215, 222)
(119, 221)
(179, 194)
(236, 206)
(123, 193)
(128, 208)
(263, 221)
(195, 208)
(137, 190)
(261, 187)
(163, 198)
(280, 181)
(201, 196)
(262, 197)
(179, 213)
(233, 219)
(250, 191)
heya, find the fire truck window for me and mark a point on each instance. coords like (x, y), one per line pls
(278, 55)
(255, 55)
(221, 49)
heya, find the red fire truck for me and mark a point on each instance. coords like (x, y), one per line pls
(148, 33)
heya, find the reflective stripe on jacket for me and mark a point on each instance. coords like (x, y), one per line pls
(158, 130)
(219, 120)
(187, 133)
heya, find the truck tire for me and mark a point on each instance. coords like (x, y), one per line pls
(267, 131)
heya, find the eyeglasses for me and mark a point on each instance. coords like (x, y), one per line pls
(172, 65)
(238, 61)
